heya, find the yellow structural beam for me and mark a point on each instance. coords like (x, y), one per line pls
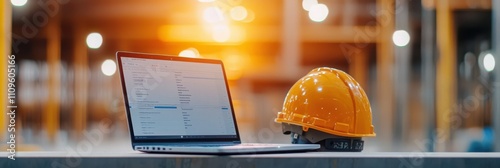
(358, 68)
(446, 72)
(5, 23)
(385, 70)
(80, 65)
(51, 111)
(459, 4)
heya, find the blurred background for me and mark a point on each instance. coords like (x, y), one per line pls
(428, 66)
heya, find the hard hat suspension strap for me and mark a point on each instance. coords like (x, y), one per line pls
(328, 142)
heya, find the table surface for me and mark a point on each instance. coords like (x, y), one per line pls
(285, 160)
(136, 154)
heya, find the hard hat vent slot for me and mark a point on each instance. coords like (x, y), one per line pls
(341, 127)
(319, 122)
(297, 117)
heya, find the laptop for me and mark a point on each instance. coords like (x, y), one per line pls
(183, 105)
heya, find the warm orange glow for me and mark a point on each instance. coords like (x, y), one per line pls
(206, 0)
(190, 52)
(221, 33)
(238, 13)
(250, 16)
(213, 14)
(183, 33)
(235, 64)
(195, 33)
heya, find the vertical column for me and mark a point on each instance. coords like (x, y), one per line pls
(385, 64)
(496, 84)
(446, 71)
(359, 68)
(80, 65)
(5, 21)
(51, 111)
(402, 70)
(429, 74)
(290, 49)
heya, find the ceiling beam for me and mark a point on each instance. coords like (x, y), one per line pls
(459, 4)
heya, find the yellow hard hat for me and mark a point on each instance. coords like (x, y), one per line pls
(332, 104)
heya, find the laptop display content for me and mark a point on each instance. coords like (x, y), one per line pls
(177, 102)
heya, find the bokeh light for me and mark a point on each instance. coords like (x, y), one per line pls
(190, 52)
(401, 38)
(318, 12)
(108, 67)
(213, 14)
(94, 40)
(489, 62)
(307, 4)
(221, 33)
(250, 16)
(238, 13)
(18, 2)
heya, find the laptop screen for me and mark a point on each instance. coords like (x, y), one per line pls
(174, 98)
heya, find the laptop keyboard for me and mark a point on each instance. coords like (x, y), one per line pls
(160, 148)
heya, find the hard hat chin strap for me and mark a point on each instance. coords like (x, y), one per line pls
(328, 142)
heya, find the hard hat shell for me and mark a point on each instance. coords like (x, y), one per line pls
(328, 100)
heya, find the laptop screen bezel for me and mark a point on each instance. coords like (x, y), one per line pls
(121, 54)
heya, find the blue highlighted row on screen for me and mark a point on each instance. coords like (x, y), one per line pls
(174, 107)
(166, 107)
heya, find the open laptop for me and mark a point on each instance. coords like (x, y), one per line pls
(183, 105)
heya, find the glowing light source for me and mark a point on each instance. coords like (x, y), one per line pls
(108, 67)
(18, 2)
(213, 14)
(190, 52)
(238, 13)
(307, 4)
(401, 38)
(250, 16)
(318, 12)
(489, 62)
(94, 40)
(221, 33)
